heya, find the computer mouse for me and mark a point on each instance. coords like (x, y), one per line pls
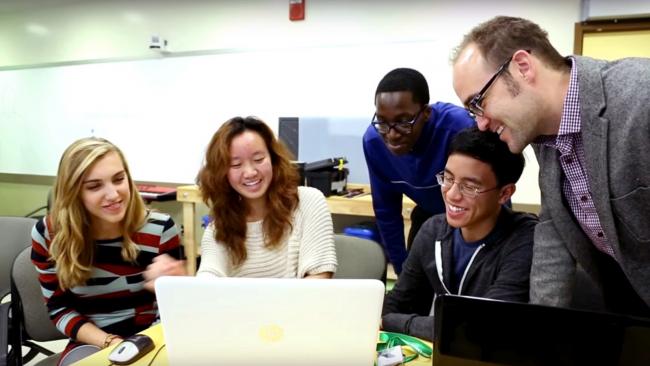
(131, 349)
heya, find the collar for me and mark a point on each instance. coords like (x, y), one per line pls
(570, 122)
(506, 222)
(422, 143)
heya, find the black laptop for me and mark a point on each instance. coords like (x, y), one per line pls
(475, 331)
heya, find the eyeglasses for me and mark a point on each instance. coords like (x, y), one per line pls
(474, 106)
(404, 128)
(467, 190)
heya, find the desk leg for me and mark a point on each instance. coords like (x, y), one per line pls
(406, 216)
(188, 237)
(407, 228)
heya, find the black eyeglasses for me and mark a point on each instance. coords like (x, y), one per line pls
(447, 181)
(403, 128)
(474, 106)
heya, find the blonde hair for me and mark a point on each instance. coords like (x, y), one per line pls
(72, 247)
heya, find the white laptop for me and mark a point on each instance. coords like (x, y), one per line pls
(246, 321)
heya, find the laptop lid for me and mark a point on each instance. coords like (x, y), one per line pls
(263, 321)
(491, 332)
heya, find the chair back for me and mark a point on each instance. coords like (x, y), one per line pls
(28, 306)
(15, 235)
(359, 258)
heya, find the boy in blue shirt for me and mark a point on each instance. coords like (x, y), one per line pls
(405, 146)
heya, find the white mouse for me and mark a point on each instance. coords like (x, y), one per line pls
(131, 349)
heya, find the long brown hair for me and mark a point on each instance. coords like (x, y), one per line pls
(226, 206)
(73, 247)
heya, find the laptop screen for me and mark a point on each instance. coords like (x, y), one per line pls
(269, 321)
(491, 332)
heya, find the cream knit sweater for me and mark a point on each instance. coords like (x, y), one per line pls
(307, 250)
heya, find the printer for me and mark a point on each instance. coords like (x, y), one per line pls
(330, 176)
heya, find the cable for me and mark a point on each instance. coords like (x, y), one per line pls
(156, 354)
(35, 211)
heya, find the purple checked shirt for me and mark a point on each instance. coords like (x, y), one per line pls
(575, 185)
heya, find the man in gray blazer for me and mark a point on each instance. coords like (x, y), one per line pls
(589, 123)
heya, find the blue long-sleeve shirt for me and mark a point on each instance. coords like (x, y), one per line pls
(412, 174)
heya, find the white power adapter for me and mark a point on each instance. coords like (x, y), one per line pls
(390, 356)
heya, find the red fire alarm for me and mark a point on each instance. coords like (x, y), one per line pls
(296, 9)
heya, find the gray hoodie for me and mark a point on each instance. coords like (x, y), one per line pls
(499, 269)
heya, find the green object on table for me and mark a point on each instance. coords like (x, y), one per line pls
(390, 339)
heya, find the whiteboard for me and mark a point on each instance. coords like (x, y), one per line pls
(163, 111)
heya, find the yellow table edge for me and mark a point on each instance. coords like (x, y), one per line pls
(156, 334)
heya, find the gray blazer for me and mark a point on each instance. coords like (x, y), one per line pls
(615, 111)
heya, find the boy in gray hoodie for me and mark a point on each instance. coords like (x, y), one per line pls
(478, 247)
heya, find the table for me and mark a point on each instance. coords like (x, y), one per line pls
(158, 356)
(360, 205)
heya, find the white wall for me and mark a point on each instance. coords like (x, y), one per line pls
(92, 29)
(81, 31)
(597, 9)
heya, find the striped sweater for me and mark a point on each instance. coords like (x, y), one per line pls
(113, 298)
(307, 250)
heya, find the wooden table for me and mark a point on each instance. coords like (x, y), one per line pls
(358, 206)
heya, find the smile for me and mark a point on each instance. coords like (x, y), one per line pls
(453, 208)
(115, 206)
(500, 129)
(252, 183)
